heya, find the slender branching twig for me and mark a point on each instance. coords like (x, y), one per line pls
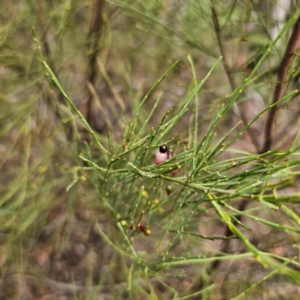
(94, 36)
(269, 130)
(229, 74)
(280, 85)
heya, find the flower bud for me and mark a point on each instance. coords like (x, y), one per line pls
(169, 190)
(124, 223)
(147, 231)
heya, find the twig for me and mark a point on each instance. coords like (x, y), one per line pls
(94, 36)
(221, 47)
(278, 94)
(229, 76)
(279, 87)
(269, 130)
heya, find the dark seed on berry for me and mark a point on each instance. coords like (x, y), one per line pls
(163, 149)
(161, 154)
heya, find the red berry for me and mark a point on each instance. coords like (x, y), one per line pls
(142, 227)
(174, 172)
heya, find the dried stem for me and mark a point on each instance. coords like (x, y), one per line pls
(221, 47)
(279, 87)
(94, 37)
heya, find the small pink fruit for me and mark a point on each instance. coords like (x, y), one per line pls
(161, 154)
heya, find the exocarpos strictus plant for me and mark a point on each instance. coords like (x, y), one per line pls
(194, 198)
(202, 197)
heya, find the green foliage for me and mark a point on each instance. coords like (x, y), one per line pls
(214, 209)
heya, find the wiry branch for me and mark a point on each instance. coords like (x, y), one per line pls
(280, 85)
(94, 37)
(228, 74)
(221, 47)
(269, 131)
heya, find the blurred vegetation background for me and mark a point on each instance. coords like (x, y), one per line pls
(69, 216)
